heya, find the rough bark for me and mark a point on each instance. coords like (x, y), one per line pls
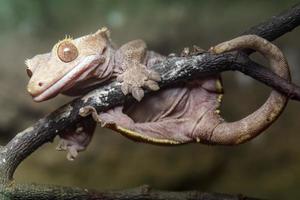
(45, 192)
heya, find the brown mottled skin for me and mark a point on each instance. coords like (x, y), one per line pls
(187, 112)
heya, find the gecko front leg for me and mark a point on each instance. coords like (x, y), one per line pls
(133, 73)
(76, 138)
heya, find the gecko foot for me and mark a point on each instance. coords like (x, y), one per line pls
(197, 50)
(137, 77)
(76, 138)
(71, 149)
(185, 52)
(194, 52)
(90, 110)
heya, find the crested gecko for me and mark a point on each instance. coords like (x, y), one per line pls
(186, 112)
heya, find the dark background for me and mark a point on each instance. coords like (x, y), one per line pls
(268, 166)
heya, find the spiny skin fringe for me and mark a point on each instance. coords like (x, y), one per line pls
(27, 61)
(68, 38)
(104, 31)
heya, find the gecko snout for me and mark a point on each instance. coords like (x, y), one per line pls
(35, 88)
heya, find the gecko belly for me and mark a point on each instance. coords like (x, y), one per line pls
(170, 116)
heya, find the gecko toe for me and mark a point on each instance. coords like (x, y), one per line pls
(72, 153)
(61, 146)
(125, 88)
(152, 85)
(120, 78)
(155, 76)
(137, 93)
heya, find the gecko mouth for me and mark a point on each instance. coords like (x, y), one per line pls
(88, 64)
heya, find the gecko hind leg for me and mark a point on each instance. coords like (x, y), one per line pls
(177, 115)
(149, 132)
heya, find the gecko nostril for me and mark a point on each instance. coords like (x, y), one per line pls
(40, 84)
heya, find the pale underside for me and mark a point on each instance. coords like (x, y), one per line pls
(170, 116)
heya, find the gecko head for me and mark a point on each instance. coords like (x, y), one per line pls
(70, 61)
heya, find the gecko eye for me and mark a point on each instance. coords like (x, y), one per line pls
(29, 72)
(67, 51)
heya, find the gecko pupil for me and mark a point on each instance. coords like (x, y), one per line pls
(67, 51)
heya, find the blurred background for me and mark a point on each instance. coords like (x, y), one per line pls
(268, 166)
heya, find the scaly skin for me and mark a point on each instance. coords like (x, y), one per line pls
(187, 112)
(74, 67)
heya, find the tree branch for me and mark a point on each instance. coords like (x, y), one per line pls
(43, 192)
(172, 70)
(278, 25)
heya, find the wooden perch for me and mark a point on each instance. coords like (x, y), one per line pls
(41, 192)
(174, 69)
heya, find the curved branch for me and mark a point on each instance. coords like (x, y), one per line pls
(174, 69)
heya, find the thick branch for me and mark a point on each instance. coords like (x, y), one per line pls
(172, 70)
(278, 25)
(43, 192)
(103, 98)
